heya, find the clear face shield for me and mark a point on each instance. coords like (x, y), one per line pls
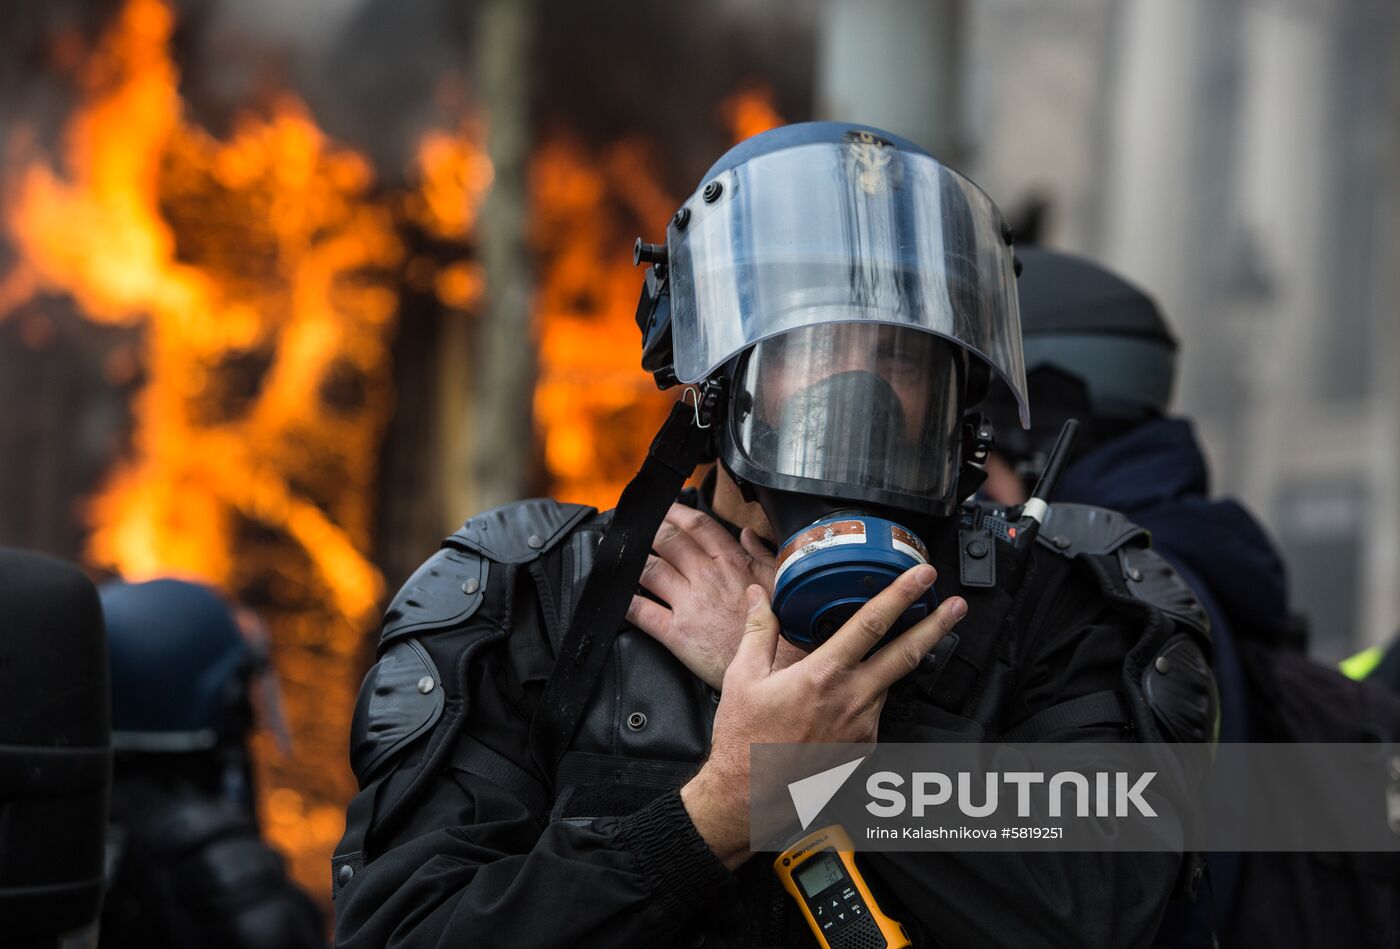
(841, 232)
(865, 411)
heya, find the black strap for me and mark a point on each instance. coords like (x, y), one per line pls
(1096, 708)
(608, 591)
(478, 759)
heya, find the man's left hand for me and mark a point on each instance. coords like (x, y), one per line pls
(701, 573)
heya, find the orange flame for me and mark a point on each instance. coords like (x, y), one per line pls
(453, 175)
(255, 266)
(750, 111)
(596, 409)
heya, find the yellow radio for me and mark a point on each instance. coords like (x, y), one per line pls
(819, 870)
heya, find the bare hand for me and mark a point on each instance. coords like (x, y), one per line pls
(701, 573)
(828, 696)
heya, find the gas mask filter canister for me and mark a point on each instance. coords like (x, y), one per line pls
(831, 568)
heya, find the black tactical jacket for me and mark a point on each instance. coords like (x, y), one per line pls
(188, 869)
(459, 839)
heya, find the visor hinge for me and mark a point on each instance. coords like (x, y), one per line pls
(706, 398)
(981, 438)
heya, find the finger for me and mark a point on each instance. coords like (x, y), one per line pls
(662, 579)
(868, 626)
(760, 642)
(765, 564)
(651, 618)
(703, 529)
(679, 549)
(902, 655)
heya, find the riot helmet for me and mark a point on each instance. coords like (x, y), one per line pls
(181, 681)
(1097, 349)
(848, 297)
(180, 667)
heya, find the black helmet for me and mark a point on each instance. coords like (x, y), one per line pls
(853, 295)
(1096, 349)
(180, 667)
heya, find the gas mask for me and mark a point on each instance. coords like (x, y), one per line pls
(848, 435)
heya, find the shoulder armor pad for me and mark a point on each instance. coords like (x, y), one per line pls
(1181, 691)
(444, 591)
(1151, 579)
(521, 531)
(401, 698)
(1074, 529)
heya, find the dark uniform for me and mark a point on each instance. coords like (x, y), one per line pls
(186, 865)
(189, 869)
(835, 298)
(458, 837)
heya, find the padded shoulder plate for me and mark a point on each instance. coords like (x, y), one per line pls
(1181, 691)
(401, 698)
(521, 531)
(444, 591)
(1074, 529)
(1151, 579)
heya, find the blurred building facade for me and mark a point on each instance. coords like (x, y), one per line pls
(1238, 158)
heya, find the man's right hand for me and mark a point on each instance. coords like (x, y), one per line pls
(828, 696)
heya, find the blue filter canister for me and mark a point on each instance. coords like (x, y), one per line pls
(828, 570)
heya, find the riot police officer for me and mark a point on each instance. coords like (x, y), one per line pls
(1098, 349)
(548, 758)
(186, 864)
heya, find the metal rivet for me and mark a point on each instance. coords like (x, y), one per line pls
(425, 684)
(712, 192)
(681, 219)
(636, 721)
(1134, 574)
(346, 872)
(1163, 665)
(471, 586)
(977, 549)
(714, 696)
(535, 541)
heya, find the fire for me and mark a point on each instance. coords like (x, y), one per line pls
(452, 175)
(262, 271)
(595, 408)
(750, 111)
(257, 269)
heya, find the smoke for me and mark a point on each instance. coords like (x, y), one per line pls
(377, 74)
